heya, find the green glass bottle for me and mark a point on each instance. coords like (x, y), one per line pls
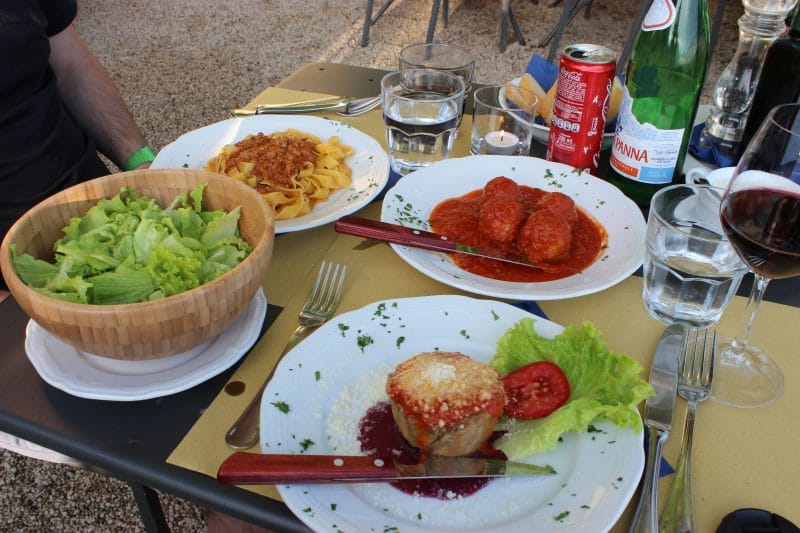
(663, 81)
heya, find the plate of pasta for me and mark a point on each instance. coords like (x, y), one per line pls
(311, 170)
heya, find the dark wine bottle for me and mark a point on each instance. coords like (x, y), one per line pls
(664, 78)
(779, 81)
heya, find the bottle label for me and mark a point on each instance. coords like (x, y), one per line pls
(661, 15)
(642, 152)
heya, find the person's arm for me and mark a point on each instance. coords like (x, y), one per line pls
(93, 98)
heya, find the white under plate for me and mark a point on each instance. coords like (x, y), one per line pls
(323, 387)
(369, 163)
(101, 378)
(412, 199)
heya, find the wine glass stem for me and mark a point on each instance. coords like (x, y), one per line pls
(736, 351)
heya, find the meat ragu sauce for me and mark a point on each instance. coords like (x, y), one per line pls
(279, 158)
(458, 219)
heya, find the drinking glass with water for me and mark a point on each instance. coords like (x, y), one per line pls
(690, 269)
(422, 110)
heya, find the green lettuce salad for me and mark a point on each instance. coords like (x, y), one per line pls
(127, 249)
(605, 385)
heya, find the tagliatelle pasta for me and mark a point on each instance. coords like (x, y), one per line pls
(292, 170)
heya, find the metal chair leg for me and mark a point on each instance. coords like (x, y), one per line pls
(367, 23)
(507, 17)
(719, 14)
(515, 27)
(622, 62)
(369, 20)
(432, 23)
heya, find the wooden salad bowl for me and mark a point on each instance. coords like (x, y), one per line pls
(152, 329)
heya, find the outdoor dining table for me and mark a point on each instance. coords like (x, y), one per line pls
(175, 444)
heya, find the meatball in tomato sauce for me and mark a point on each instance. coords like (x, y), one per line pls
(561, 205)
(545, 238)
(500, 218)
(501, 187)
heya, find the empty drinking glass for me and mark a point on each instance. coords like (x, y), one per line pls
(440, 56)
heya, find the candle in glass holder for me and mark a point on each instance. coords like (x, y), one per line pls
(501, 143)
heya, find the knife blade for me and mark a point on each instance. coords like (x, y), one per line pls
(417, 238)
(244, 468)
(658, 411)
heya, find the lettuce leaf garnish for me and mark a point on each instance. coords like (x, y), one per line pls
(127, 249)
(605, 385)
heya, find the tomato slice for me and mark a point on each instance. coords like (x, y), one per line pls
(535, 390)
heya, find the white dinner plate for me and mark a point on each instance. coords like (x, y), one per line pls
(101, 378)
(542, 132)
(412, 199)
(324, 386)
(369, 163)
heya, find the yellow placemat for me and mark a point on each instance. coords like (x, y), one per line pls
(742, 457)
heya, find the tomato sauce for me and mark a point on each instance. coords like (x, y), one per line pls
(457, 218)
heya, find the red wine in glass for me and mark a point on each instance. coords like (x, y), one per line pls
(760, 213)
(762, 224)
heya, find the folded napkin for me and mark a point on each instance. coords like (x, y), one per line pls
(543, 71)
(708, 152)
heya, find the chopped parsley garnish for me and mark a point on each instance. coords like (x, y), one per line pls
(495, 315)
(561, 516)
(305, 443)
(400, 341)
(363, 341)
(317, 375)
(464, 334)
(343, 328)
(283, 407)
(333, 507)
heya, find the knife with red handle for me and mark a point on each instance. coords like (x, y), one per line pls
(417, 238)
(243, 468)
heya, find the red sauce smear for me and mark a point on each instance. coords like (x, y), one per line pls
(380, 437)
(457, 218)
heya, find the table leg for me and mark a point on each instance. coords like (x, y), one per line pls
(149, 508)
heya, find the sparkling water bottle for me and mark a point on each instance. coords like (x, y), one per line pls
(664, 78)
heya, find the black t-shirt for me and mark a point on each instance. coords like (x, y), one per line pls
(42, 149)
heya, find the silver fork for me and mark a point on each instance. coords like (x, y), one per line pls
(318, 308)
(694, 385)
(359, 108)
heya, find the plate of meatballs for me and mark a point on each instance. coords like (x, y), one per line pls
(580, 233)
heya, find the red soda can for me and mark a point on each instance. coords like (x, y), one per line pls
(583, 90)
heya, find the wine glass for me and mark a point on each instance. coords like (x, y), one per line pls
(760, 213)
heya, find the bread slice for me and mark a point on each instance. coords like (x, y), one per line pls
(529, 83)
(520, 98)
(546, 105)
